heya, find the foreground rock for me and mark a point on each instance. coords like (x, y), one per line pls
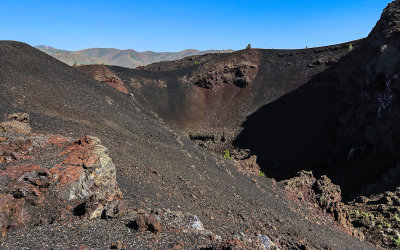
(323, 193)
(50, 178)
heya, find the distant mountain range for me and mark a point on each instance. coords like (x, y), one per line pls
(125, 58)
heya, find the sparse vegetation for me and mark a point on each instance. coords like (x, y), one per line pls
(396, 240)
(367, 215)
(227, 155)
(351, 47)
(196, 62)
(248, 46)
(75, 64)
(261, 174)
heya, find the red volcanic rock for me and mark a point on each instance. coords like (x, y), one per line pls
(48, 178)
(15, 151)
(103, 74)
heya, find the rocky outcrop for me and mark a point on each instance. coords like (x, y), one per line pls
(17, 123)
(306, 188)
(368, 113)
(187, 62)
(51, 178)
(147, 222)
(238, 71)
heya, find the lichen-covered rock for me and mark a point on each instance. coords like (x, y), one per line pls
(17, 123)
(50, 178)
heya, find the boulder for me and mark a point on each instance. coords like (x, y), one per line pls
(50, 178)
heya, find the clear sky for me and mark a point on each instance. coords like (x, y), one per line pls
(173, 25)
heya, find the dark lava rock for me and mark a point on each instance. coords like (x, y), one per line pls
(322, 192)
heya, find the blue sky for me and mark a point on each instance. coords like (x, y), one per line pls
(162, 25)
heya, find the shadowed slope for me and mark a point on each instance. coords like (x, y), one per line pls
(342, 123)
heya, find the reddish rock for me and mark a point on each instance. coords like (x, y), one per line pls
(235, 244)
(148, 222)
(15, 151)
(103, 74)
(68, 179)
(66, 174)
(57, 141)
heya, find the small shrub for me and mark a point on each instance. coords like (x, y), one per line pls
(351, 47)
(367, 215)
(248, 46)
(261, 174)
(227, 155)
(396, 240)
(75, 64)
(196, 62)
(396, 217)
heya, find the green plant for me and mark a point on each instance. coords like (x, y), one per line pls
(396, 217)
(227, 155)
(351, 47)
(248, 46)
(75, 64)
(367, 215)
(196, 62)
(396, 240)
(261, 174)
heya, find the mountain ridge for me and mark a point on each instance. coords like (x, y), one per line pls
(129, 58)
